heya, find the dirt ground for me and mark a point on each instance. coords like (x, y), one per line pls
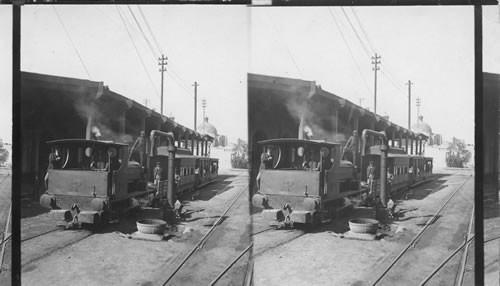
(5, 201)
(105, 258)
(296, 257)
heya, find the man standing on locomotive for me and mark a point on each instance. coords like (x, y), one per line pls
(140, 146)
(54, 161)
(370, 174)
(266, 162)
(352, 146)
(157, 172)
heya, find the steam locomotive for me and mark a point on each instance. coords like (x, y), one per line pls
(308, 179)
(92, 179)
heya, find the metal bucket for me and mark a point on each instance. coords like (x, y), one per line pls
(151, 226)
(363, 225)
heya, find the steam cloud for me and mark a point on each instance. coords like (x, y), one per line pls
(316, 126)
(101, 123)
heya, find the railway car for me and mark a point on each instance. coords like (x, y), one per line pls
(89, 179)
(406, 169)
(295, 190)
(191, 171)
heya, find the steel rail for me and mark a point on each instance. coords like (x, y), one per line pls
(197, 246)
(429, 222)
(261, 231)
(40, 234)
(466, 242)
(249, 273)
(5, 235)
(231, 264)
(461, 272)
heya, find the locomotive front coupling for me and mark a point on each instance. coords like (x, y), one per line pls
(300, 212)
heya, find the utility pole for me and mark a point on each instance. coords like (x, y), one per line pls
(203, 105)
(195, 102)
(162, 63)
(409, 83)
(361, 101)
(418, 108)
(375, 61)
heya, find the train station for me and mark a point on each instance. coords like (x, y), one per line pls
(284, 109)
(169, 209)
(55, 107)
(280, 105)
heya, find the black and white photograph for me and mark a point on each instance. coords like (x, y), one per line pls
(133, 126)
(490, 139)
(361, 131)
(148, 144)
(6, 145)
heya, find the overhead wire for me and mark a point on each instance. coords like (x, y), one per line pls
(287, 48)
(72, 43)
(390, 77)
(362, 29)
(142, 32)
(149, 29)
(179, 81)
(137, 51)
(356, 33)
(349, 49)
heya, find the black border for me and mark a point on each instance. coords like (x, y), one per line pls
(479, 161)
(479, 101)
(16, 151)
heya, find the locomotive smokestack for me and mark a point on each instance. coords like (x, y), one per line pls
(301, 127)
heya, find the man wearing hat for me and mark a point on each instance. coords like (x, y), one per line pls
(140, 147)
(352, 146)
(266, 162)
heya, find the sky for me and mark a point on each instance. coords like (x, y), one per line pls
(216, 46)
(202, 43)
(6, 73)
(431, 46)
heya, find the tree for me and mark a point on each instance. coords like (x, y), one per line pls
(457, 155)
(4, 154)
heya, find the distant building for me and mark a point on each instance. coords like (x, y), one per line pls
(437, 139)
(424, 128)
(209, 129)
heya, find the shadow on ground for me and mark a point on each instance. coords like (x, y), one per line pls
(421, 191)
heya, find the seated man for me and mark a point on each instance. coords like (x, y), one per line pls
(309, 163)
(100, 164)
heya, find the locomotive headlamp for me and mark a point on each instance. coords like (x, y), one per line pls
(310, 204)
(47, 201)
(98, 204)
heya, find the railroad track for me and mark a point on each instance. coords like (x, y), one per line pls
(55, 249)
(40, 234)
(203, 241)
(469, 237)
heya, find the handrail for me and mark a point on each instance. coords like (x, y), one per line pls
(383, 160)
(171, 159)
